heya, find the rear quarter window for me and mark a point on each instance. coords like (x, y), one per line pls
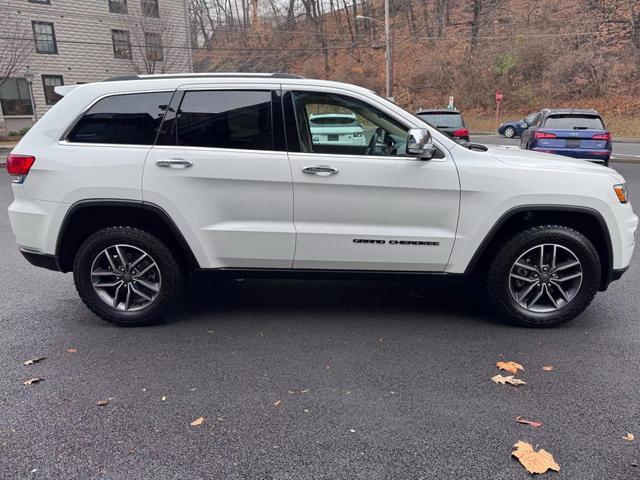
(131, 119)
(574, 122)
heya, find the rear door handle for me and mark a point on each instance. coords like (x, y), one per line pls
(176, 163)
(320, 170)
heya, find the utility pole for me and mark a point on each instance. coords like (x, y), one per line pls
(389, 46)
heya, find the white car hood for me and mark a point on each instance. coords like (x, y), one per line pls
(526, 158)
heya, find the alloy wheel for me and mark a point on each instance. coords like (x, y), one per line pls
(509, 132)
(126, 277)
(545, 278)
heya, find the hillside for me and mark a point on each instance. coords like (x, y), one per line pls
(583, 53)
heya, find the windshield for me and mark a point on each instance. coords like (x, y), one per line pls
(443, 120)
(574, 122)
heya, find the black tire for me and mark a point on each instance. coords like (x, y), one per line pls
(498, 286)
(510, 132)
(172, 276)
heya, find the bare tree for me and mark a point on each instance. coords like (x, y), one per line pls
(16, 46)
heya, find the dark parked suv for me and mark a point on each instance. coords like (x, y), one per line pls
(449, 122)
(570, 132)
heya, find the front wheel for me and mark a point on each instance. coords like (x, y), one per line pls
(544, 276)
(127, 276)
(509, 132)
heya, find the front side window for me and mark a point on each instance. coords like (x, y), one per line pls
(45, 37)
(50, 82)
(337, 124)
(153, 46)
(225, 119)
(131, 119)
(118, 6)
(121, 44)
(15, 98)
(150, 8)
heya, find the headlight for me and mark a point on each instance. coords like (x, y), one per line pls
(621, 192)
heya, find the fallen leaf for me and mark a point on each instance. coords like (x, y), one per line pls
(103, 403)
(163, 398)
(304, 391)
(276, 403)
(629, 437)
(352, 430)
(197, 422)
(532, 461)
(548, 368)
(511, 367)
(33, 360)
(72, 350)
(510, 380)
(33, 381)
(533, 424)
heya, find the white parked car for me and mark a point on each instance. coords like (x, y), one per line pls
(135, 182)
(336, 129)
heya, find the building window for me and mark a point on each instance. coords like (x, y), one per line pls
(15, 98)
(50, 82)
(153, 44)
(121, 44)
(118, 6)
(150, 8)
(45, 37)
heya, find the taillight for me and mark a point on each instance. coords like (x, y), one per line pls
(539, 135)
(461, 133)
(18, 166)
(602, 136)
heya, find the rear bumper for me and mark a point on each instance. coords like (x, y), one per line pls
(600, 156)
(42, 260)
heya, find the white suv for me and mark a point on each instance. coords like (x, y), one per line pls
(134, 183)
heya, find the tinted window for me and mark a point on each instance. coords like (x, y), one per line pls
(329, 120)
(226, 119)
(442, 120)
(125, 119)
(574, 122)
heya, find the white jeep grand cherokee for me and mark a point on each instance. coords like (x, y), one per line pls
(135, 182)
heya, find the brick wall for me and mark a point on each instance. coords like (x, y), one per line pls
(84, 41)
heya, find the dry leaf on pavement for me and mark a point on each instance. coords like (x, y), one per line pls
(276, 403)
(532, 461)
(521, 420)
(511, 367)
(629, 437)
(72, 350)
(33, 360)
(510, 380)
(33, 381)
(197, 422)
(103, 403)
(548, 368)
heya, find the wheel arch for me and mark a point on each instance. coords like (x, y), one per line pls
(87, 216)
(586, 220)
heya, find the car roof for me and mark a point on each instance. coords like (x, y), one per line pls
(570, 111)
(437, 110)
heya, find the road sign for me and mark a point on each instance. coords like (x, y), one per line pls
(499, 96)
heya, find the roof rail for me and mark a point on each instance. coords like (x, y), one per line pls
(122, 78)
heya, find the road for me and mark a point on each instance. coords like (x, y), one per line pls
(310, 380)
(622, 151)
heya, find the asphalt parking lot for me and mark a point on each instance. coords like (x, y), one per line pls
(310, 380)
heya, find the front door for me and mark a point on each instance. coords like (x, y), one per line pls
(222, 173)
(360, 202)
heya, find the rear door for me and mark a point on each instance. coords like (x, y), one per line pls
(371, 207)
(221, 171)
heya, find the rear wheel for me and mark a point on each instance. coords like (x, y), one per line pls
(544, 276)
(127, 276)
(509, 132)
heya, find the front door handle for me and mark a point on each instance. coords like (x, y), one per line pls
(177, 163)
(320, 170)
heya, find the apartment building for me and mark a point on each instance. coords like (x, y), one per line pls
(80, 41)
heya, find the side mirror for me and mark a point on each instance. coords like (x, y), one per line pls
(420, 144)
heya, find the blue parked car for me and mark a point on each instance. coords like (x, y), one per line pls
(573, 133)
(515, 129)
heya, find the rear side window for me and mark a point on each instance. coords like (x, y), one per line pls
(131, 119)
(226, 119)
(574, 122)
(443, 120)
